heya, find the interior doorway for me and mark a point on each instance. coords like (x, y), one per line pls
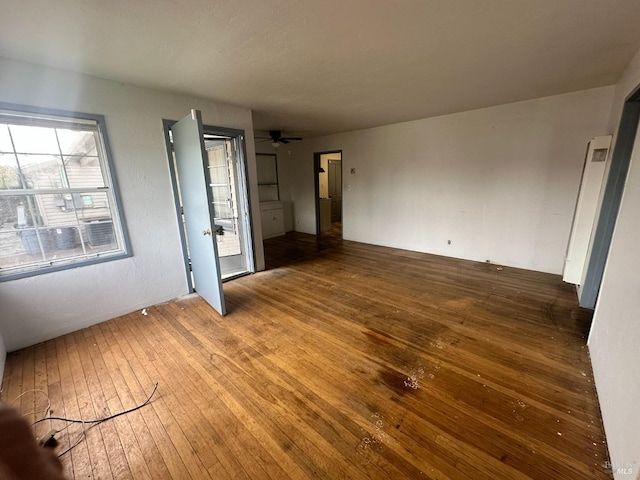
(226, 176)
(328, 187)
(614, 188)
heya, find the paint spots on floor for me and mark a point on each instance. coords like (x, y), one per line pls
(393, 380)
(518, 408)
(409, 382)
(372, 443)
(415, 375)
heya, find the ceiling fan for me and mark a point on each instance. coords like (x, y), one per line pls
(276, 138)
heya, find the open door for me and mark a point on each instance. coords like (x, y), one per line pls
(194, 178)
(328, 189)
(586, 208)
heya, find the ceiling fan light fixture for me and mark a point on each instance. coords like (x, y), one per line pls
(277, 138)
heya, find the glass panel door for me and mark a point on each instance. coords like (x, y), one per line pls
(223, 190)
(229, 202)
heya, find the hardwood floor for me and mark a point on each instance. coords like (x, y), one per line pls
(343, 360)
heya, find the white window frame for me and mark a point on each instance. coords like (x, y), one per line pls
(41, 116)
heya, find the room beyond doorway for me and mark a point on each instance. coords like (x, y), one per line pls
(328, 182)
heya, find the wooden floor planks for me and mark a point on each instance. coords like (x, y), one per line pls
(342, 360)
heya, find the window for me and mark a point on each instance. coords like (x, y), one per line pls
(58, 199)
(267, 164)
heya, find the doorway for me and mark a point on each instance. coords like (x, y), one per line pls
(614, 188)
(228, 199)
(328, 193)
(227, 182)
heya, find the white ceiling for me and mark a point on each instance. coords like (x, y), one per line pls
(314, 67)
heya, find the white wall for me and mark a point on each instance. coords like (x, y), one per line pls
(500, 183)
(614, 341)
(41, 307)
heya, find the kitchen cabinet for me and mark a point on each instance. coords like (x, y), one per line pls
(272, 219)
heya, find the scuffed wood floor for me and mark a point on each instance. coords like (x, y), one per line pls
(343, 360)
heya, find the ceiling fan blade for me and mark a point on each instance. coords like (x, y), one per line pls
(276, 136)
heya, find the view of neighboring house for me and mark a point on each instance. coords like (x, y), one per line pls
(50, 226)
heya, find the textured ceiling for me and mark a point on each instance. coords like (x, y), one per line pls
(314, 67)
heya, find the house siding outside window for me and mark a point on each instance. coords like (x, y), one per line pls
(59, 205)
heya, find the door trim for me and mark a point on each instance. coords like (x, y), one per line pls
(614, 189)
(166, 125)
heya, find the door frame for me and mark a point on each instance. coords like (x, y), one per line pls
(331, 162)
(316, 181)
(242, 170)
(611, 199)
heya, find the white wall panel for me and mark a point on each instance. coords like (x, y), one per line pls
(614, 341)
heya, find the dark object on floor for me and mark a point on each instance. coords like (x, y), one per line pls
(21, 458)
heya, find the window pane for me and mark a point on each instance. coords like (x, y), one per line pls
(99, 235)
(22, 247)
(27, 244)
(96, 222)
(21, 210)
(67, 227)
(64, 242)
(83, 172)
(92, 205)
(8, 212)
(77, 142)
(67, 215)
(56, 209)
(9, 173)
(65, 209)
(5, 140)
(39, 246)
(42, 171)
(29, 139)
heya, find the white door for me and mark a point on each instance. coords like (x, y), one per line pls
(586, 207)
(194, 178)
